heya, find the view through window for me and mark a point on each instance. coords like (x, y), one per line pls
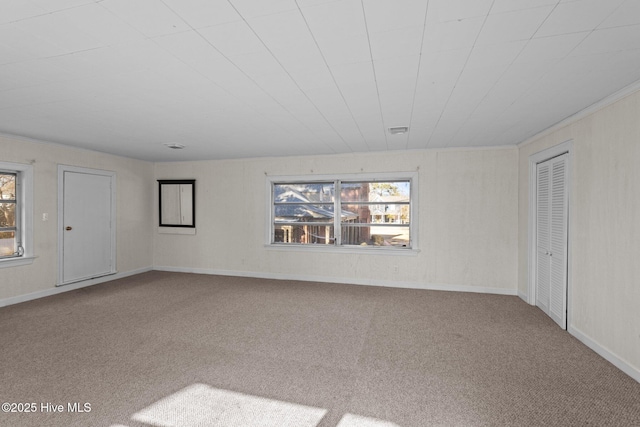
(342, 213)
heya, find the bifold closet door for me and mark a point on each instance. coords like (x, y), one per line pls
(551, 238)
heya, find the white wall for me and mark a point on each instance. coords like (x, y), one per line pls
(604, 304)
(134, 206)
(467, 221)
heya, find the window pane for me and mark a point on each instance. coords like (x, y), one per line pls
(376, 214)
(7, 186)
(7, 215)
(291, 212)
(392, 191)
(7, 212)
(7, 243)
(375, 235)
(322, 192)
(304, 234)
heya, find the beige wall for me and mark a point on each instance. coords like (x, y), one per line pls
(467, 221)
(604, 263)
(134, 239)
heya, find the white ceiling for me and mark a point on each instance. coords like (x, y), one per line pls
(250, 78)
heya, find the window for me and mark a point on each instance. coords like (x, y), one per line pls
(365, 213)
(15, 213)
(177, 200)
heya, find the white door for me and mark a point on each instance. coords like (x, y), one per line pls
(551, 238)
(87, 247)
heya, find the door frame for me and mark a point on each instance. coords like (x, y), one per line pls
(534, 160)
(61, 171)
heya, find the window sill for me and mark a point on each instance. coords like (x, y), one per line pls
(15, 262)
(177, 230)
(369, 250)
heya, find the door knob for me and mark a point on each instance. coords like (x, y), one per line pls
(68, 228)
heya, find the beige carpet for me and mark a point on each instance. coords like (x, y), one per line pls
(162, 349)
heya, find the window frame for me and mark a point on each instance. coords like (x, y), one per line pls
(337, 179)
(24, 213)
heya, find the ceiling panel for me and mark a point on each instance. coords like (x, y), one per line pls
(204, 13)
(451, 35)
(20, 75)
(9, 54)
(17, 10)
(29, 44)
(57, 5)
(544, 49)
(501, 6)
(396, 43)
(513, 26)
(576, 16)
(494, 58)
(456, 10)
(382, 16)
(233, 39)
(627, 14)
(98, 23)
(259, 8)
(150, 17)
(287, 37)
(601, 41)
(339, 30)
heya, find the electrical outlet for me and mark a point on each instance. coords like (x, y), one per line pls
(395, 269)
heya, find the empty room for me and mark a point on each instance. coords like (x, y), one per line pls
(319, 213)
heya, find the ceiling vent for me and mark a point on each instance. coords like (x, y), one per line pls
(398, 130)
(175, 146)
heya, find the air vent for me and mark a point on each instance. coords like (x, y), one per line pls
(398, 130)
(175, 146)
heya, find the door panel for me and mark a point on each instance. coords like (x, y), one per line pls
(542, 238)
(87, 226)
(551, 238)
(558, 242)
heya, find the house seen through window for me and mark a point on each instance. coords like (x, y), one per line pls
(342, 213)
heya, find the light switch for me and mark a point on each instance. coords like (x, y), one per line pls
(45, 216)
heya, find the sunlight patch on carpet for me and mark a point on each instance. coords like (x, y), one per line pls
(350, 420)
(200, 404)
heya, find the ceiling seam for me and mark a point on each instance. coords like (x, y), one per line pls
(415, 87)
(375, 76)
(464, 66)
(334, 80)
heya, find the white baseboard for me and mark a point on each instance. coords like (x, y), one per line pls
(347, 280)
(625, 367)
(523, 296)
(70, 287)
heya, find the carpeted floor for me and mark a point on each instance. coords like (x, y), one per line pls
(162, 349)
